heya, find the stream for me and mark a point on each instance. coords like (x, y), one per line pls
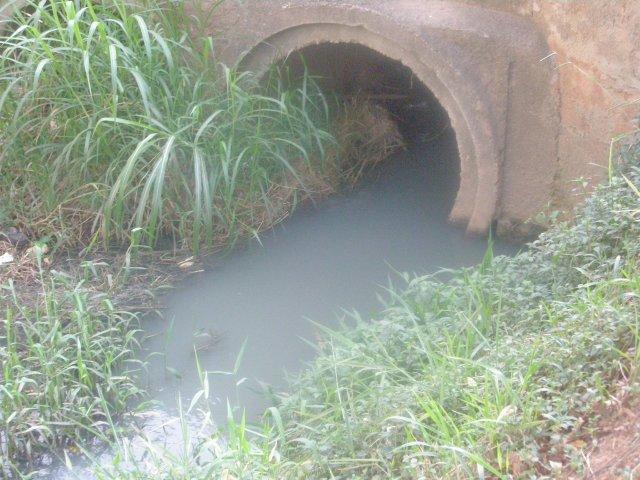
(326, 259)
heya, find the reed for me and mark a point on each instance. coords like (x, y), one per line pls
(67, 364)
(116, 123)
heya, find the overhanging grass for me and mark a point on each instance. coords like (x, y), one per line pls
(495, 372)
(116, 126)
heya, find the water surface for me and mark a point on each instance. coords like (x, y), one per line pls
(325, 259)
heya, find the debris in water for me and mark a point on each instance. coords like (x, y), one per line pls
(186, 264)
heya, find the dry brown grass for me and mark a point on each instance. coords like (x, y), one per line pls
(366, 135)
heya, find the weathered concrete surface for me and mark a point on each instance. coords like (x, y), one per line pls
(595, 45)
(483, 65)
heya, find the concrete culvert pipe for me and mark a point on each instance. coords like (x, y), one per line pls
(383, 97)
(481, 66)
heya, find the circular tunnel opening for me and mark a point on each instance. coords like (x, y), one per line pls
(357, 72)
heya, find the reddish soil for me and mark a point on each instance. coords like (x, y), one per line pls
(614, 452)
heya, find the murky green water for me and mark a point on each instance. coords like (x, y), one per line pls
(324, 260)
(334, 257)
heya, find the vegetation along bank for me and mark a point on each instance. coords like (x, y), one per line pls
(118, 134)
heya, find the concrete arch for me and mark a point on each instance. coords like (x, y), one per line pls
(482, 66)
(479, 156)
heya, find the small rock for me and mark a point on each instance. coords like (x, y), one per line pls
(186, 264)
(555, 466)
(15, 237)
(38, 250)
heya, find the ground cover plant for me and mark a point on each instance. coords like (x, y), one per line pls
(70, 358)
(497, 372)
(66, 362)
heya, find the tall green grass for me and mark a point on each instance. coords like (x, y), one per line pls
(66, 367)
(118, 126)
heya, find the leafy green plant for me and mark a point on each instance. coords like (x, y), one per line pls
(488, 374)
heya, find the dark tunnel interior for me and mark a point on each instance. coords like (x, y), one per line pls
(352, 70)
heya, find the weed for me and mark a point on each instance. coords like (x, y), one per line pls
(490, 374)
(66, 365)
(115, 121)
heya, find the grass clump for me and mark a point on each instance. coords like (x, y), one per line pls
(493, 373)
(66, 368)
(116, 124)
